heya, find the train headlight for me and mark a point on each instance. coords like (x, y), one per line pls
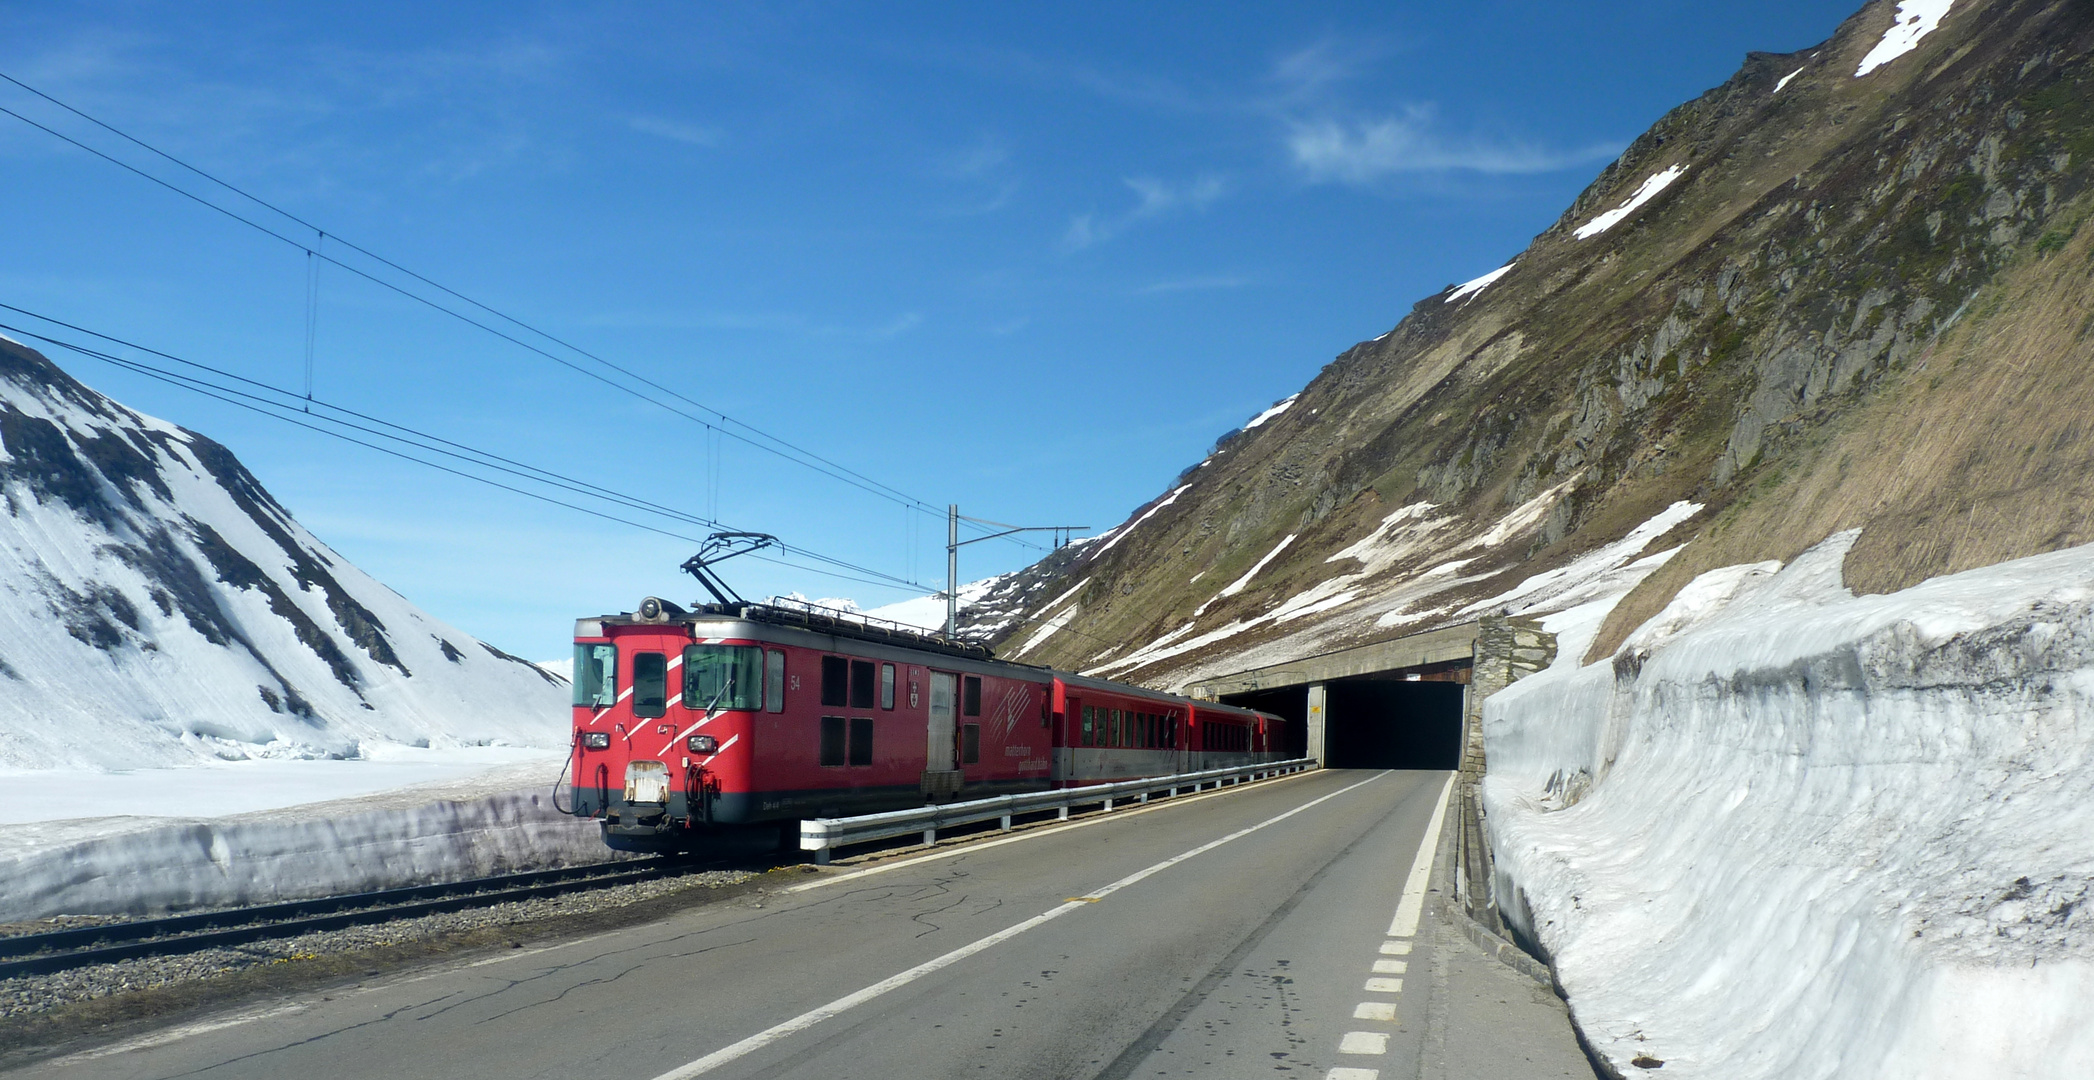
(704, 744)
(650, 609)
(596, 740)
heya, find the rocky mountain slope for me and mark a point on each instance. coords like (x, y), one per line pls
(157, 607)
(1849, 288)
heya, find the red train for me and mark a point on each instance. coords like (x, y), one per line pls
(736, 715)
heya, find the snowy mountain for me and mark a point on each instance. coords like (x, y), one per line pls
(157, 606)
(1843, 289)
(1782, 430)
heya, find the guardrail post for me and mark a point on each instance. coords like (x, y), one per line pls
(1108, 806)
(1062, 814)
(1006, 823)
(1145, 797)
(930, 836)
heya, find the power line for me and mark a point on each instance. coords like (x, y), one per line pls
(806, 458)
(286, 411)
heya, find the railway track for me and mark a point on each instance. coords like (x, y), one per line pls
(62, 950)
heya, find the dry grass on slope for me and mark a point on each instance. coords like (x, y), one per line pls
(1979, 452)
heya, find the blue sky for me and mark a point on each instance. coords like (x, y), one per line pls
(1029, 261)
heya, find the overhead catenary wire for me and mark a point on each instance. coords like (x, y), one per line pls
(315, 254)
(287, 411)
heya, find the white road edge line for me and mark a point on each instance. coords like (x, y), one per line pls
(1033, 834)
(815, 1016)
(162, 1038)
(1408, 910)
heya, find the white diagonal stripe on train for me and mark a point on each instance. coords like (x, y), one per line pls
(709, 718)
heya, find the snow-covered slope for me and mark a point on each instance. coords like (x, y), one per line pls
(1788, 831)
(158, 607)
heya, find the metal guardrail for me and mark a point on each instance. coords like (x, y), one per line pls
(823, 835)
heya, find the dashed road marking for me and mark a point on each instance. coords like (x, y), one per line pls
(812, 1017)
(1409, 908)
(1364, 1042)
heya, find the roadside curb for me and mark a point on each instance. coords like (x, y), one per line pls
(1499, 949)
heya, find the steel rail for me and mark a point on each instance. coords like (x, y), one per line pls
(61, 950)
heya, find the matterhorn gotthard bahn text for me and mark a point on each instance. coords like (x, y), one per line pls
(160, 607)
(1670, 653)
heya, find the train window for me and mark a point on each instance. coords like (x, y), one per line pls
(595, 675)
(887, 686)
(774, 682)
(970, 743)
(972, 705)
(650, 684)
(1090, 717)
(1149, 731)
(861, 740)
(721, 677)
(836, 678)
(861, 684)
(832, 740)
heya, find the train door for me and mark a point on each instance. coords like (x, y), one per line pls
(941, 775)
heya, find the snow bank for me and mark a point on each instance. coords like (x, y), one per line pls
(1650, 189)
(495, 822)
(1916, 19)
(1121, 533)
(1474, 285)
(1277, 408)
(1791, 832)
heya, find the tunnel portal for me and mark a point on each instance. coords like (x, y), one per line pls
(1397, 704)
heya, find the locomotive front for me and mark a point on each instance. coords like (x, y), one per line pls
(662, 724)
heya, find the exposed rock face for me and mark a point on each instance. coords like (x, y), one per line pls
(156, 604)
(1804, 302)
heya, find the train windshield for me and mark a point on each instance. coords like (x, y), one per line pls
(723, 677)
(595, 675)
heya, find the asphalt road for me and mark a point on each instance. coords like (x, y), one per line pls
(1243, 933)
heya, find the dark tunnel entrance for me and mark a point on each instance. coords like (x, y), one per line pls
(1392, 724)
(1372, 721)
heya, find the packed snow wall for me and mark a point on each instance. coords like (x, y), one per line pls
(503, 822)
(1786, 831)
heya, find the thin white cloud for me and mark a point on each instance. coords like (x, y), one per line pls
(984, 157)
(1306, 74)
(1330, 150)
(675, 130)
(982, 171)
(1154, 198)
